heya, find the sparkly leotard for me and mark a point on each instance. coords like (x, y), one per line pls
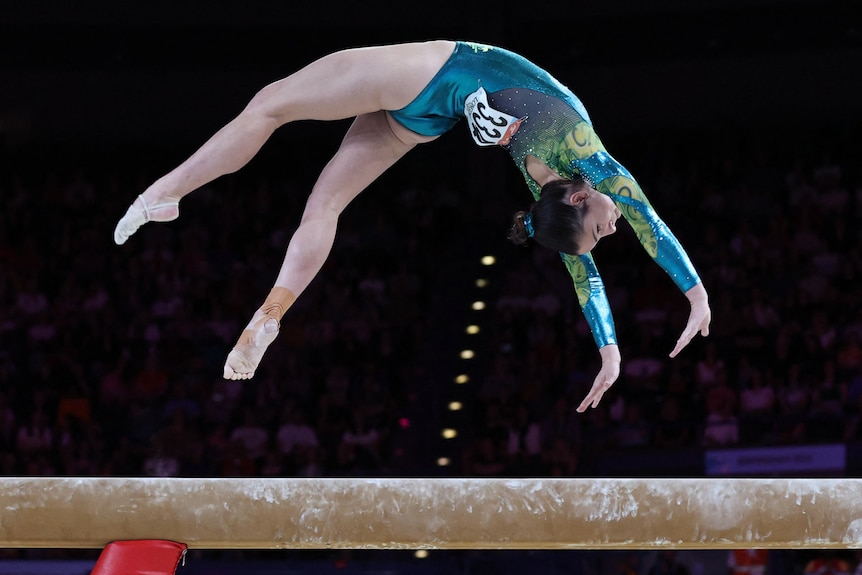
(546, 120)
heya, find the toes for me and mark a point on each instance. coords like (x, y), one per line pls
(237, 367)
(244, 358)
(128, 225)
(140, 213)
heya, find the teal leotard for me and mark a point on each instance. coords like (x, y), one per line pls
(441, 104)
(552, 125)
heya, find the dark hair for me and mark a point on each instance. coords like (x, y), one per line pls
(557, 224)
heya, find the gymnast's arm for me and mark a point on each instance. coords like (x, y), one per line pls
(661, 244)
(665, 249)
(582, 152)
(594, 302)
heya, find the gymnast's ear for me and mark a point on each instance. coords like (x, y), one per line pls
(578, 197)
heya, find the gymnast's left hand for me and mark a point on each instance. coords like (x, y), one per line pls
(605, 379)
(698, 318)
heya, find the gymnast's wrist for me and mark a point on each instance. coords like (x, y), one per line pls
(610, 353)
(697, 295)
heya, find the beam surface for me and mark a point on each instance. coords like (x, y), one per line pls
(37, 512)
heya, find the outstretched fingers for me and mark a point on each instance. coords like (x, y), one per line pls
(698, 321)
(594, 396)
(603, 382)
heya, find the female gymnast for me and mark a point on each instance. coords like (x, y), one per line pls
(406, 94)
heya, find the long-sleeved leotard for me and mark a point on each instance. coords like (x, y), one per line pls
(509, 101)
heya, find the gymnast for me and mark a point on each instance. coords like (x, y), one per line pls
(402, 95)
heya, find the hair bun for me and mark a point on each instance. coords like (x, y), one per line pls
(520, 232)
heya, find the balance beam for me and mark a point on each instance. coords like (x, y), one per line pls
(38, 512)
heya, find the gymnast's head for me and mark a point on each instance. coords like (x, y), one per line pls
(570, 217)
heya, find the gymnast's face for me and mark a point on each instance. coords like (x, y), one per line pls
(600, 217)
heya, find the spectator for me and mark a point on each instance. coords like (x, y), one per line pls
(524, 442)
(31, 300)
(672, 430)
(827, 410)
(562, 422)
(484, 458)
(162, 460)
(666, 563)
(8, 423)
(361, 442)
(756, 407)
(794, 398)
(309, 462)
(35, 437)
(828, 562)
(709, 368)
(274, 464)
(634, 430)
(500, 383)
(250, 436)
(559, 458)
(748, 561)
(237, 462)
(848, 365)
(151, 382)
(721, 397)
(295, 435)
(721, 427)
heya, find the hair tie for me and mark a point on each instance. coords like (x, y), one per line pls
(528, 225)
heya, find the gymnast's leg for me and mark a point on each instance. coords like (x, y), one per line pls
(372, 145)
(338, 86)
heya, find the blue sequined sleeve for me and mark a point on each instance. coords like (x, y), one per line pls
(611, 178)
(592, 298)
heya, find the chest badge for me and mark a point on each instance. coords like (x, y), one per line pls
(488, 127)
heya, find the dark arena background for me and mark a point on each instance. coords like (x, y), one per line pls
(430, 346)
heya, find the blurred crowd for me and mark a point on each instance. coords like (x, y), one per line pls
(110, 357)
(775, 237)
(774, 232)
(110, 362)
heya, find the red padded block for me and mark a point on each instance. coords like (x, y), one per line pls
(140, 557)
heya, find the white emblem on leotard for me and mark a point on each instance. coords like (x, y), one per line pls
(489, 127)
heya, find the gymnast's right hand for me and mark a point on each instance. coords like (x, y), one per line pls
(698, 319)
(605, 379)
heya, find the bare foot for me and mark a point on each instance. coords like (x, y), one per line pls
(244, 358)
(141, 212)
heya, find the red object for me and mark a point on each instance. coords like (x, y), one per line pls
(140, 557)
